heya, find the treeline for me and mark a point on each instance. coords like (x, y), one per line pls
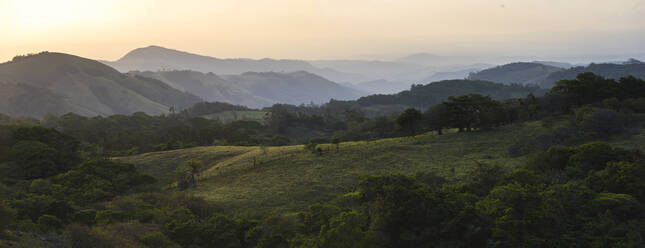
(205, 108)
(424, 96)
(137, 133)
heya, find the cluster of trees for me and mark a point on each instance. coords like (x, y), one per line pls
(586, 196)
(45, 181)
(424, 96)
(204, 108)
(139, 132)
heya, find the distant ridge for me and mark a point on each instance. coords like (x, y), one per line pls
(519, 73)
(631, 67)
(58, 83)
(255, 89)
(157, 58)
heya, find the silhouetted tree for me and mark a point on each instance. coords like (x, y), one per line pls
(409, 120)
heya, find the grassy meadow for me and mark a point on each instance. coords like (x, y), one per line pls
(289, 178)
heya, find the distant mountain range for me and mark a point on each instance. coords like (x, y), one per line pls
(392, 76)
(159, 79)
(156, 58)
(255, 89)
(545, 75)
(522, 73)
(57, 83)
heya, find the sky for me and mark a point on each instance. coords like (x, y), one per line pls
(324, 29)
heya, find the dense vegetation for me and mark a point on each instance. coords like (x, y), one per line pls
(516, 73)
(58, 189)
(632, 67)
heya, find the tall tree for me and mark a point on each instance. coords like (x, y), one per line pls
(409, 120)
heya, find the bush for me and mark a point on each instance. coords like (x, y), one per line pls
(319, 140)
(79, 236)
(157, 240)
(604, 123)
(109, 216)
(86, 216)
(7, 215)
(522, 147)
(50, 222)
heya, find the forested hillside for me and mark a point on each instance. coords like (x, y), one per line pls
(616, 71)
(516, 73)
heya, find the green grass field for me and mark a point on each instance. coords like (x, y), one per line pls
(289, 178)
(258, 180)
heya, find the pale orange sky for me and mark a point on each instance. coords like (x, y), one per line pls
(315, 29)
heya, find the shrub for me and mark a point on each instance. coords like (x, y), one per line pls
(86, 216)
(50, 222)
(319, 140)
(603, 123)
(7, 215)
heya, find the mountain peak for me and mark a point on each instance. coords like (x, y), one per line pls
(633, 61)
(155, 52)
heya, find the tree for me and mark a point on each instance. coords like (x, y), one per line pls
(7, 215)
(472, 111)
(436, 118)
(587, 88)
(187, 172)
(409, 120)
(33, 159)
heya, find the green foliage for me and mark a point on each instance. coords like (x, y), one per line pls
(620, 177)
(468, 112)
(186, 174)
(50, 222)
(100, 180)
(85, 216)
(409, 121)
(424, 96)
(7, 216)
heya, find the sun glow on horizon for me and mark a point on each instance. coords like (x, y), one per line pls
(310, 29)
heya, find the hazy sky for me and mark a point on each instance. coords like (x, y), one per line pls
(313, 29)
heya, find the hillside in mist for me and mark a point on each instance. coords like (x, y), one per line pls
(255, 89)
(59, 83)
(155, 58)
(392, 76)
(631, 67)
(520, 73)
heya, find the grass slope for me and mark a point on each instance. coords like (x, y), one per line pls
(289, 178)
(256, 180)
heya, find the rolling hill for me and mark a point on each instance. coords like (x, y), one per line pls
(520, 73)
(156, 58)
(424, 96)
(58, 83)
(289, 178)
(255, 89)
(609, 70)
(398, 74)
